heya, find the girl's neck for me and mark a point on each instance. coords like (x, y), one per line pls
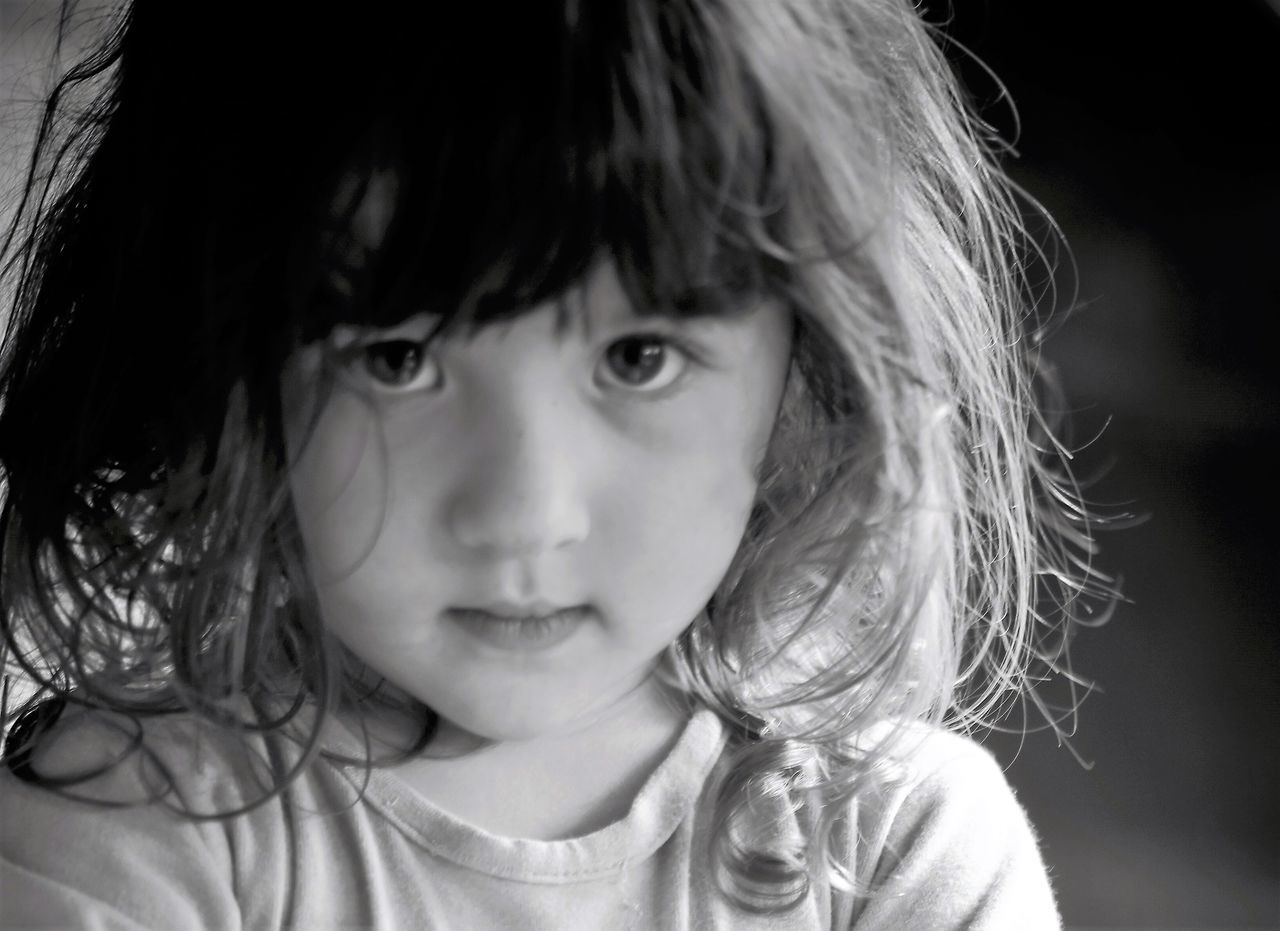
(552, 787)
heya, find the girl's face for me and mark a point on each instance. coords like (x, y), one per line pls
(512, 527)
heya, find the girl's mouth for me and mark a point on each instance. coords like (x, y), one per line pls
(528, 632)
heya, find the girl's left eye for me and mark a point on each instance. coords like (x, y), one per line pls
(398, 366)
(643, 363)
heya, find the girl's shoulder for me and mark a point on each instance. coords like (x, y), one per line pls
(114, 759)
(94, 830)
(932, 762)
(942, 840)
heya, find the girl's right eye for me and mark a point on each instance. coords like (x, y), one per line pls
(398, 366)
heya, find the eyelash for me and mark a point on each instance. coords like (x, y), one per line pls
(358, 355)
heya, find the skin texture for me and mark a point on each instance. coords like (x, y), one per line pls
(523, 465)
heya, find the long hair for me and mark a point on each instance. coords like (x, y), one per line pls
(184, 220)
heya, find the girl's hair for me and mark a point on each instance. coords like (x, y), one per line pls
(187, 224)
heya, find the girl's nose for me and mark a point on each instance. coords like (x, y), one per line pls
(522, 490)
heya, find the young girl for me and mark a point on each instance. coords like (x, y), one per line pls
(574, 468)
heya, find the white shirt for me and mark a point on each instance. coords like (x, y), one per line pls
(948, 848)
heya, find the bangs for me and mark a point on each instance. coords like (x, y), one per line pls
(207, 218)
(517, 159)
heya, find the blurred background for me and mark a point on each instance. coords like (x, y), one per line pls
(1148, 132)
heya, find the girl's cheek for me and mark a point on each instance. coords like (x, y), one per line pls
(338, 496)
(700, 470)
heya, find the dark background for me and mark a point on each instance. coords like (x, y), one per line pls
(1145, 130)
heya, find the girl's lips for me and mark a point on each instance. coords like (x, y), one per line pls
(528, 632)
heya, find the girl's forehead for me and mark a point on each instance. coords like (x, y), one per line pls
(594, 303)
(365, 205)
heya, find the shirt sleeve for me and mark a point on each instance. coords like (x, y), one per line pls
(70, 864)
(956, 850)
(103, 853)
